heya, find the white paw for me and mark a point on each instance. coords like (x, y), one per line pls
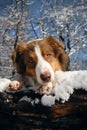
(14, 85)
(44, 89)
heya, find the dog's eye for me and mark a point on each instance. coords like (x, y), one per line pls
(48, 55)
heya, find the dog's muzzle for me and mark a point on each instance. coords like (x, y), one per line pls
(46, 76)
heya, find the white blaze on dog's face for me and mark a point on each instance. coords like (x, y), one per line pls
(41, 62)
(44, 71)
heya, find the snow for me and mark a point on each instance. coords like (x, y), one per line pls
(36, 100)
(4, 83)
(30, 100)
(48, 100)
(64, 85)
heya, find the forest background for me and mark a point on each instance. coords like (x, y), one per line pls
(26, 20)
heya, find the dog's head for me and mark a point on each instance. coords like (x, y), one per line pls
(39, 59)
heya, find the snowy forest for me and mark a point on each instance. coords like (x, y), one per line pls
(25, 20)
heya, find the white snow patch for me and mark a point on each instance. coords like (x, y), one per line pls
(4, 83)
(36, 100)
(48, 100)
(64, 85)
(25, 98)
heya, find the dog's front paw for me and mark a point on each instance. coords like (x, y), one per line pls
(14, 85)
(44, 89)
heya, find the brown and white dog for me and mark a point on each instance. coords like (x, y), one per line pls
(39, 59)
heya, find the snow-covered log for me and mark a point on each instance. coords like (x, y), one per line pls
(25, 110)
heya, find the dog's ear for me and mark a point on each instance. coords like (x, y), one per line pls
(18, 58)
(59, 51)
(54, 42)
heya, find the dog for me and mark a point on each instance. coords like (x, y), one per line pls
(38, 60)
(64, 85)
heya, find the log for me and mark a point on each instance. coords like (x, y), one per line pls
(25, 115)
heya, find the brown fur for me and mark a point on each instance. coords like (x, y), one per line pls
(25, 60)
(18, 58)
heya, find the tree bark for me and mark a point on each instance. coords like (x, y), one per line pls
(70, 115)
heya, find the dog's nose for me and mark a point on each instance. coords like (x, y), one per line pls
(46, 76)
